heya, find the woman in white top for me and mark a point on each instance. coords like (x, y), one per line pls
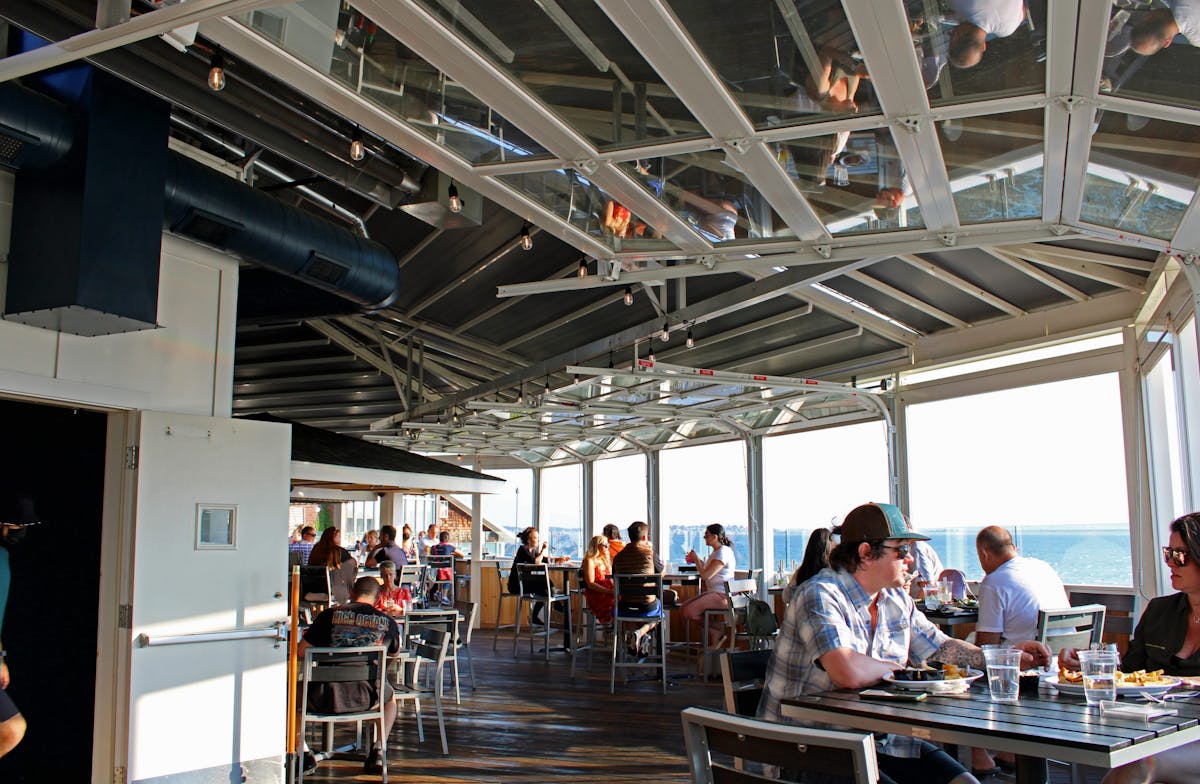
(715, 571)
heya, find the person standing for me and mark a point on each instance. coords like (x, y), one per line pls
(16, 513)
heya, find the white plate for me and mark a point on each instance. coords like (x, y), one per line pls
(1122, 691)
(935, 687)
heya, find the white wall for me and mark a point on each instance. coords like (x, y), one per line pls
(186, 366)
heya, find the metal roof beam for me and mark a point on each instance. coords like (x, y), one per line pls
(575, 314)
(1037, 273)
(505, 248)
(795, 348)
(907, 299)
(1060, 61)
(741, 331)
(965, 286)
(570, 270)
(1086, 256)
(365, 354)
(1092, 270)
(1080, 104)
(848, 311)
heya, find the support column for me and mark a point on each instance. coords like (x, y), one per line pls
(587, 486)
(476, 542)
(1142, 542)
(1190, 265)
(535, 518)
(388, 513)
(754, 507)
(653, 502)
(898, 450)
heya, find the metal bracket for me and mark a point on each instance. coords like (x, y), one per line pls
(709, 261)
(949, 239)
(911, 124)
(587, 166)
(740, 145)
(824, 251)
(1058, 229)
(131, 458)
(1072, 102)
(614, 269)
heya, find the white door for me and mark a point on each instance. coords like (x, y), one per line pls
(199, 547)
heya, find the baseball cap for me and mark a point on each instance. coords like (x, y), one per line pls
(877, 521)
(16, 509)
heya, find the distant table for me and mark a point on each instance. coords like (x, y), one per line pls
(1034, 729)
(948, 620)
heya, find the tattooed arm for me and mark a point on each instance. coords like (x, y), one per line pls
(964, 654)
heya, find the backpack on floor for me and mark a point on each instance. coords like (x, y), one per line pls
(760, 619)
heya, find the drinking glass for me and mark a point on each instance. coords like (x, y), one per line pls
(1003, 673)
(945, 591)
(1099, 675)
(932, 600)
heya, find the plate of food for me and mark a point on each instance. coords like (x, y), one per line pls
(948, 679)
(1129, 684)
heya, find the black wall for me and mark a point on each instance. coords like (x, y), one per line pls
(56, 455)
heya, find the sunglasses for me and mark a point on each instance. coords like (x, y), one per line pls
(1175, 556)
(902, 550)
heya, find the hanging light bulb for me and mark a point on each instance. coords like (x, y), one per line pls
(583, 268)
(521, 395)
(526, 240)
(216, 71)
(628, 295)
(547, 389)
(358, 150)
(691, 341)
(454, 202)
(665, 335)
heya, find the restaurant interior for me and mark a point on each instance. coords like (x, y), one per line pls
(560, 264)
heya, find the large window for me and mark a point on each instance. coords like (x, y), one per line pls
(358, 517)
(511, 508)
(1046, 462)
(812, 479)
(702, 485)
(561, 518)
(619, 492)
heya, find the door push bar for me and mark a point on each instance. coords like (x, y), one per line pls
(277, 632)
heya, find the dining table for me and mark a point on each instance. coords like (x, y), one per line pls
(1041, 726)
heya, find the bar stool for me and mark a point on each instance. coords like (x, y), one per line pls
(635, 589)
(592, 634)
(536, 588)
(502, 581)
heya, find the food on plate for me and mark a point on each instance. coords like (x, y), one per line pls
(1137, 678)
(918, 674)
(952, 672)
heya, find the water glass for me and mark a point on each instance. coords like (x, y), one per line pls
(945, 591)
(1099, 675)
(932, 600)
(1003, 673)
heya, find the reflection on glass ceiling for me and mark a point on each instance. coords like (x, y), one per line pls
(609, 412)
(995, 165)
(1150, 53)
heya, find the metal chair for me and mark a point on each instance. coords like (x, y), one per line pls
(462, 641)
(742, 676)
(635, 589)
(1124, 605)
(314, 588)
(502, 582)
(367, 664)
(739, 593)
(1071, 627)
(410, 578)
(535, 586)
(719, 743)
(440, 571)
(427, 653)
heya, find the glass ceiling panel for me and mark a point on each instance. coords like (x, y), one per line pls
(995, 165)
(706, 190)
(342, 43)
(970, 50)
(575, 199)
(1141, 174)
(571, 56)
(1152, 54)
(783, 62)
(853, 180)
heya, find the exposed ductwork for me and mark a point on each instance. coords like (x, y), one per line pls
(192, 199)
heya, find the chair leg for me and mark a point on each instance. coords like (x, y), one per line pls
(382, 752)
(470, 666)
(437, 701)
(517, 626)
(612, 667)
(420, 723)
(496, 628)
(457, 697)
(662, 652)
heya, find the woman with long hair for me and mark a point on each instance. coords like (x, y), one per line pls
(816, 557)
(531, 551)
(408, 543)
(597, 580)
(715, 570)
(343, 569)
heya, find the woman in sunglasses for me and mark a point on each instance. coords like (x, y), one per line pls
(1167, 638)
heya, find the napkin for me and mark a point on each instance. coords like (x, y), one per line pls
(1134, 710)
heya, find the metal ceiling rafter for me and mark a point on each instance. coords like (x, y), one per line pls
(1087, 256)
(882, 32)
(1037, 273)
(259, 52)
(1153, 109)
(736, 332)
(1098, 272)
(576, 313)
(794, 348)
(963, 285)
(852, 313)
(570, 270)
(439, 366)
(363, 353)
(907, 299)
(477, 353)
(1060, 61)
(505, 248)
(655, 32)
(1080, 104)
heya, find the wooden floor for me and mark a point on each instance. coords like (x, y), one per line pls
(528, 721)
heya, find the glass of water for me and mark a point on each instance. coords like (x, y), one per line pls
(1099, 675)
(1003, 673)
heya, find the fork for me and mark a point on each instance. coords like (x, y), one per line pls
(1163, 699)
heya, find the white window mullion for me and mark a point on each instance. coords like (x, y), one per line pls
(1080, 104)
(1060, 61)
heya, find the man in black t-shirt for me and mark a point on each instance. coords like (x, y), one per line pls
(346, 626)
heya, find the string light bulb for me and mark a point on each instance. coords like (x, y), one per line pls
(665, 335)
(453, 201)
(691, 341)
(216, 71)
(526, 240)
(582, 268)
(628, 296)
(358, 150)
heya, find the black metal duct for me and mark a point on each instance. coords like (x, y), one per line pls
(214, 209)
(34, 130)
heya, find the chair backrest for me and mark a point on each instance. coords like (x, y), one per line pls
(1071, 627)
(533, 580)
(717, 744)
(740, 592)
(431, 645)
(314, 581)
(435, 562)
(742, 675)
(958, 582)
(637, 588)
(343, 665)
(444, 620)
(1125, 604)
(410, 575)
(468, 611)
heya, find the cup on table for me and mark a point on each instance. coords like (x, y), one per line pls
(1003, 672)
(1099, 670)
(932, 598)
(945, 591)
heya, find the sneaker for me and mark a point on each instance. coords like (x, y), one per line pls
(371, 764)
(309, 762)
(631, 644)
(644, 646)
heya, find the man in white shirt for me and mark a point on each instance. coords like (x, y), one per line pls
(1013, 590)
(427, 539)
(1155, 30)
(979, 22)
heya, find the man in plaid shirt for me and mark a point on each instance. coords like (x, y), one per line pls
(853, 623)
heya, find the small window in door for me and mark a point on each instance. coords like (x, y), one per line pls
(216, 526)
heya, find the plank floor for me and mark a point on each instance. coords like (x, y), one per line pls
(528, 721)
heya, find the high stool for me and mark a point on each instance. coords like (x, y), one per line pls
(591, 634)
(636, 589)
(500, 597)
(536, 588)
